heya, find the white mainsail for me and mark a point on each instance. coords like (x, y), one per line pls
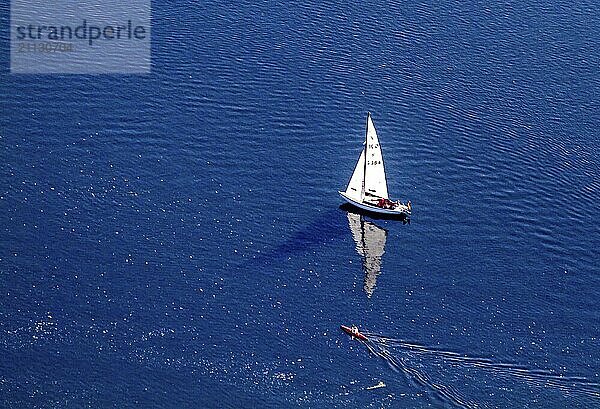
(375, 183)
(368, 179)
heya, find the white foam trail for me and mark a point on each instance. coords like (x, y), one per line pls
(403, 357)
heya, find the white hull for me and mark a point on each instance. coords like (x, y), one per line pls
(399, 210)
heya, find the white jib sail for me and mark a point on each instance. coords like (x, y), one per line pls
(355, 187)
(374, 173)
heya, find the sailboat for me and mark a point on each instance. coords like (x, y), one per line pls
(367, 188)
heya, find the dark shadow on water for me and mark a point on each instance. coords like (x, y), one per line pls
(315, 234)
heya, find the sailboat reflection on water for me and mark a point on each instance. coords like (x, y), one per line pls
(370, 244)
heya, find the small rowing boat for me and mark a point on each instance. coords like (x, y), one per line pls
(353, 332)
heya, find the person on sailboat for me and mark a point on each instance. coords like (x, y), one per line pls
(386, 204)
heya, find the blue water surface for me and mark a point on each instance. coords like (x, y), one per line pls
(175, 239)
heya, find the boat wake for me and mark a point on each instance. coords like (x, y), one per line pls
(468, 382)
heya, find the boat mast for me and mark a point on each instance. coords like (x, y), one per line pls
(364, 188)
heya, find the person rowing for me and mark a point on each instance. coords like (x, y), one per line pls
(354, 332)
